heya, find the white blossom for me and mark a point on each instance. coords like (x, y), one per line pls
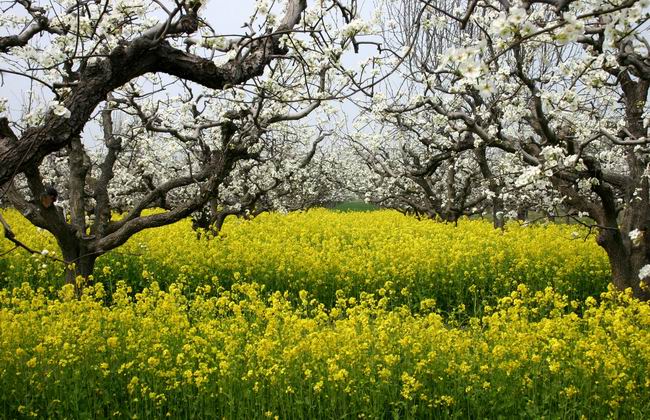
(636, 236)
(644, 272)
(59, 109)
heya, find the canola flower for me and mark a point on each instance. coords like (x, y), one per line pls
(322, 314)
(324, 251)
(239, 353)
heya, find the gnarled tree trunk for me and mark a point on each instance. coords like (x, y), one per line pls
(80, 261)
(626, 260)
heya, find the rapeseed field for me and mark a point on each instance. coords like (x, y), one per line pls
(325, 315)
(326, 252)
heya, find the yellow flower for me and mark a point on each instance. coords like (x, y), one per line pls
(553, 366)
(570, 391)
(318, 387)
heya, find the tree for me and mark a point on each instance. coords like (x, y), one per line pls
(288, 177)
(188, 118)
(412, 170)
(418, 163)
(555, 92)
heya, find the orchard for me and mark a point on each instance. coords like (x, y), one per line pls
(178, 186)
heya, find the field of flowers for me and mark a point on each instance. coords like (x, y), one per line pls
(325, 315)
(325, 253)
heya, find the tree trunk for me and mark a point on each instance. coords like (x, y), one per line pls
(498, 218)
(522, 214)
(625, 263)
(79, 261)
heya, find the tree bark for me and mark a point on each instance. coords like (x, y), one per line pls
(80, 260)
(625, 266)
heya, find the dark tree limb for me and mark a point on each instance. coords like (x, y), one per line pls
(127, 62)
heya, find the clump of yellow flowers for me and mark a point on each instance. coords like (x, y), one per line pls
(325, 315)
(384, 253)
(243, 353)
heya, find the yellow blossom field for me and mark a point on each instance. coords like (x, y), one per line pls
(237, 354)
(325, 315)
(324, 252)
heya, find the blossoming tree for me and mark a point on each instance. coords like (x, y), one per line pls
(146, 105)
(554, 94)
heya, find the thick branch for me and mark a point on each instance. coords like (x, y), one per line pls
(125, 63)
(113, 146)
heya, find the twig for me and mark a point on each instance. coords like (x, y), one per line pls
(7, 252)
(11, 236)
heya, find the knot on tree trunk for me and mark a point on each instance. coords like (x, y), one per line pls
(5, 131)
(189, 23)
